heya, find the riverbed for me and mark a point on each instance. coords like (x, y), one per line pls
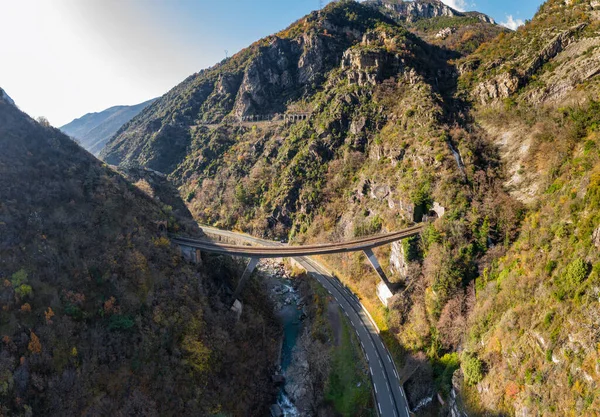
(286, 302)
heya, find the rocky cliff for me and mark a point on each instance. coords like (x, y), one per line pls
(411, 11)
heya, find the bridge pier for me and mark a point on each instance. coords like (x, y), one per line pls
(245, 276)
(385, 288)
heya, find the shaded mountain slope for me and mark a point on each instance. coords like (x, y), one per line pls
(100, 315)
(93, 130)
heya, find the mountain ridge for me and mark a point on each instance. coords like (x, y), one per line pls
(94, 130)
(411, 11)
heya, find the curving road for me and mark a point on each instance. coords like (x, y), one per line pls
(293, 251)
(389, 395)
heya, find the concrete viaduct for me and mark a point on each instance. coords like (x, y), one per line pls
(255, 253)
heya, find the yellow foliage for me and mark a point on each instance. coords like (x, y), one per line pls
(199, 354)
(161, 242)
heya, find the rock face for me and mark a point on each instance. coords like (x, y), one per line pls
(398, 262)
(510, 81)
(412, 11)
(502, 86)
(370, 62)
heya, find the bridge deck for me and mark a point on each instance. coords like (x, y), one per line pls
(293, 251)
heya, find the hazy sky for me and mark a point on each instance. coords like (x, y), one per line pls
(64, 58)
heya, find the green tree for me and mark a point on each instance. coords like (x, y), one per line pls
(472, 368)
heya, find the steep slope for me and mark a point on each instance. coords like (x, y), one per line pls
(532, 338)
(100, 316)
(261, 80)
(93, 130)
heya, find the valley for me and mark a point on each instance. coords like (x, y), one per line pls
(389, 208)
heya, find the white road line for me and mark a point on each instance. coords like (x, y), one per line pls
(361, 343)
(379, 406)
(370, 369)
(407, 411)
(380, 364)
(375, 385)
(402, 392)
(395, 413)
(396, 373)
(346, 313)
(390, 358)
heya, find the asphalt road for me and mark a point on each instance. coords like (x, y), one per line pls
(389, 395)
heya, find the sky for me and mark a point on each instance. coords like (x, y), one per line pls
(62, 59)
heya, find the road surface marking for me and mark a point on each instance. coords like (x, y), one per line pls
(379, 406)
(361, 343)
(396, 373)
(395, 413)
(375, 385)
(370, 369)
(389, 358)
(407, 410)
(402, 392)
(380, 364)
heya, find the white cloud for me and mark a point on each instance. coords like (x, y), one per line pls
(460, 5)
(512, 23)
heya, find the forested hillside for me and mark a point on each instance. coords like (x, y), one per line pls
(498, 134)
(100, 315)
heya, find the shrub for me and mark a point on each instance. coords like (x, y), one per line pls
(576, 272)
(119, 322)
(472, 368)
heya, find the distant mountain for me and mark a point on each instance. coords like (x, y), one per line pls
(6, 97)
(411, 11)
(95, 129)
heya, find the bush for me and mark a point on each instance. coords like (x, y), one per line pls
(472, 368)
(575, 273)
(119, 322)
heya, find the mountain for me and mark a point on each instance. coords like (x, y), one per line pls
(414, 10)
(6, 97)
(100, 315)
(440, 24)
(356, 120)
(93, 130)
